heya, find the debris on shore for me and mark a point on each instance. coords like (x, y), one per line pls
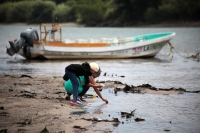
(101, 120)
(144, 88)
(128, 115)
(139, 119)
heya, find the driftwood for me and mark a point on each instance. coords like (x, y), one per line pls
(98, 120)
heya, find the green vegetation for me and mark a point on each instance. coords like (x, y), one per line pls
(100, 12)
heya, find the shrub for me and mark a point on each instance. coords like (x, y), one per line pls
(90, 12)
(3, 11)
(64, 13)
(42, 12)
(18, 12)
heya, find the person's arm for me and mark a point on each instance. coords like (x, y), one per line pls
(99, 94)
(95, 86)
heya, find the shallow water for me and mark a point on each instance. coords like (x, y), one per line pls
(160, 73)
(177, 113)
(183, 111)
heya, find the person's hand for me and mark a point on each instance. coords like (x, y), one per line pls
(105, 100)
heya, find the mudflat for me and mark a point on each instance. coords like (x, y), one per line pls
(36, 103)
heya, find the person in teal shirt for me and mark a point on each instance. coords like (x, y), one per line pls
(69, 88)
(83, 88)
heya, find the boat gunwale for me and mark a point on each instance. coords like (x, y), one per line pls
(109, 48)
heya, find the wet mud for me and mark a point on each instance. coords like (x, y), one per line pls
(32, 103)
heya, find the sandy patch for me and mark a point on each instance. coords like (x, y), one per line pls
(29, 104)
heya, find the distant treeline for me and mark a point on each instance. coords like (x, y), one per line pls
(100, 12)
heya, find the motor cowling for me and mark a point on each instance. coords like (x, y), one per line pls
(26, 41)
(30, 35)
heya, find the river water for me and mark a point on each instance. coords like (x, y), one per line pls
(177, 113)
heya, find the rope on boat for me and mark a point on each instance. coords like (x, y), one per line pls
(172, 48)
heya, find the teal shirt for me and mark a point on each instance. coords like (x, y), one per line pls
(69, 88)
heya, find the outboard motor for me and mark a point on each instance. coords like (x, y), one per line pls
(26, 41)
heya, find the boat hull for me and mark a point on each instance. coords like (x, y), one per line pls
(150, 50)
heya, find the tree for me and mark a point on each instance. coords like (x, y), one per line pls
(90, 12)
(130, 12)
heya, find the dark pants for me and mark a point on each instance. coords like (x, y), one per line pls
(85, 89)
(75, 83)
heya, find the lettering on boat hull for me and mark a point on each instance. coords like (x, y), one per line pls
(153, 46)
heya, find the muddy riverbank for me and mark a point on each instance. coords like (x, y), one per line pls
(36, 103)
